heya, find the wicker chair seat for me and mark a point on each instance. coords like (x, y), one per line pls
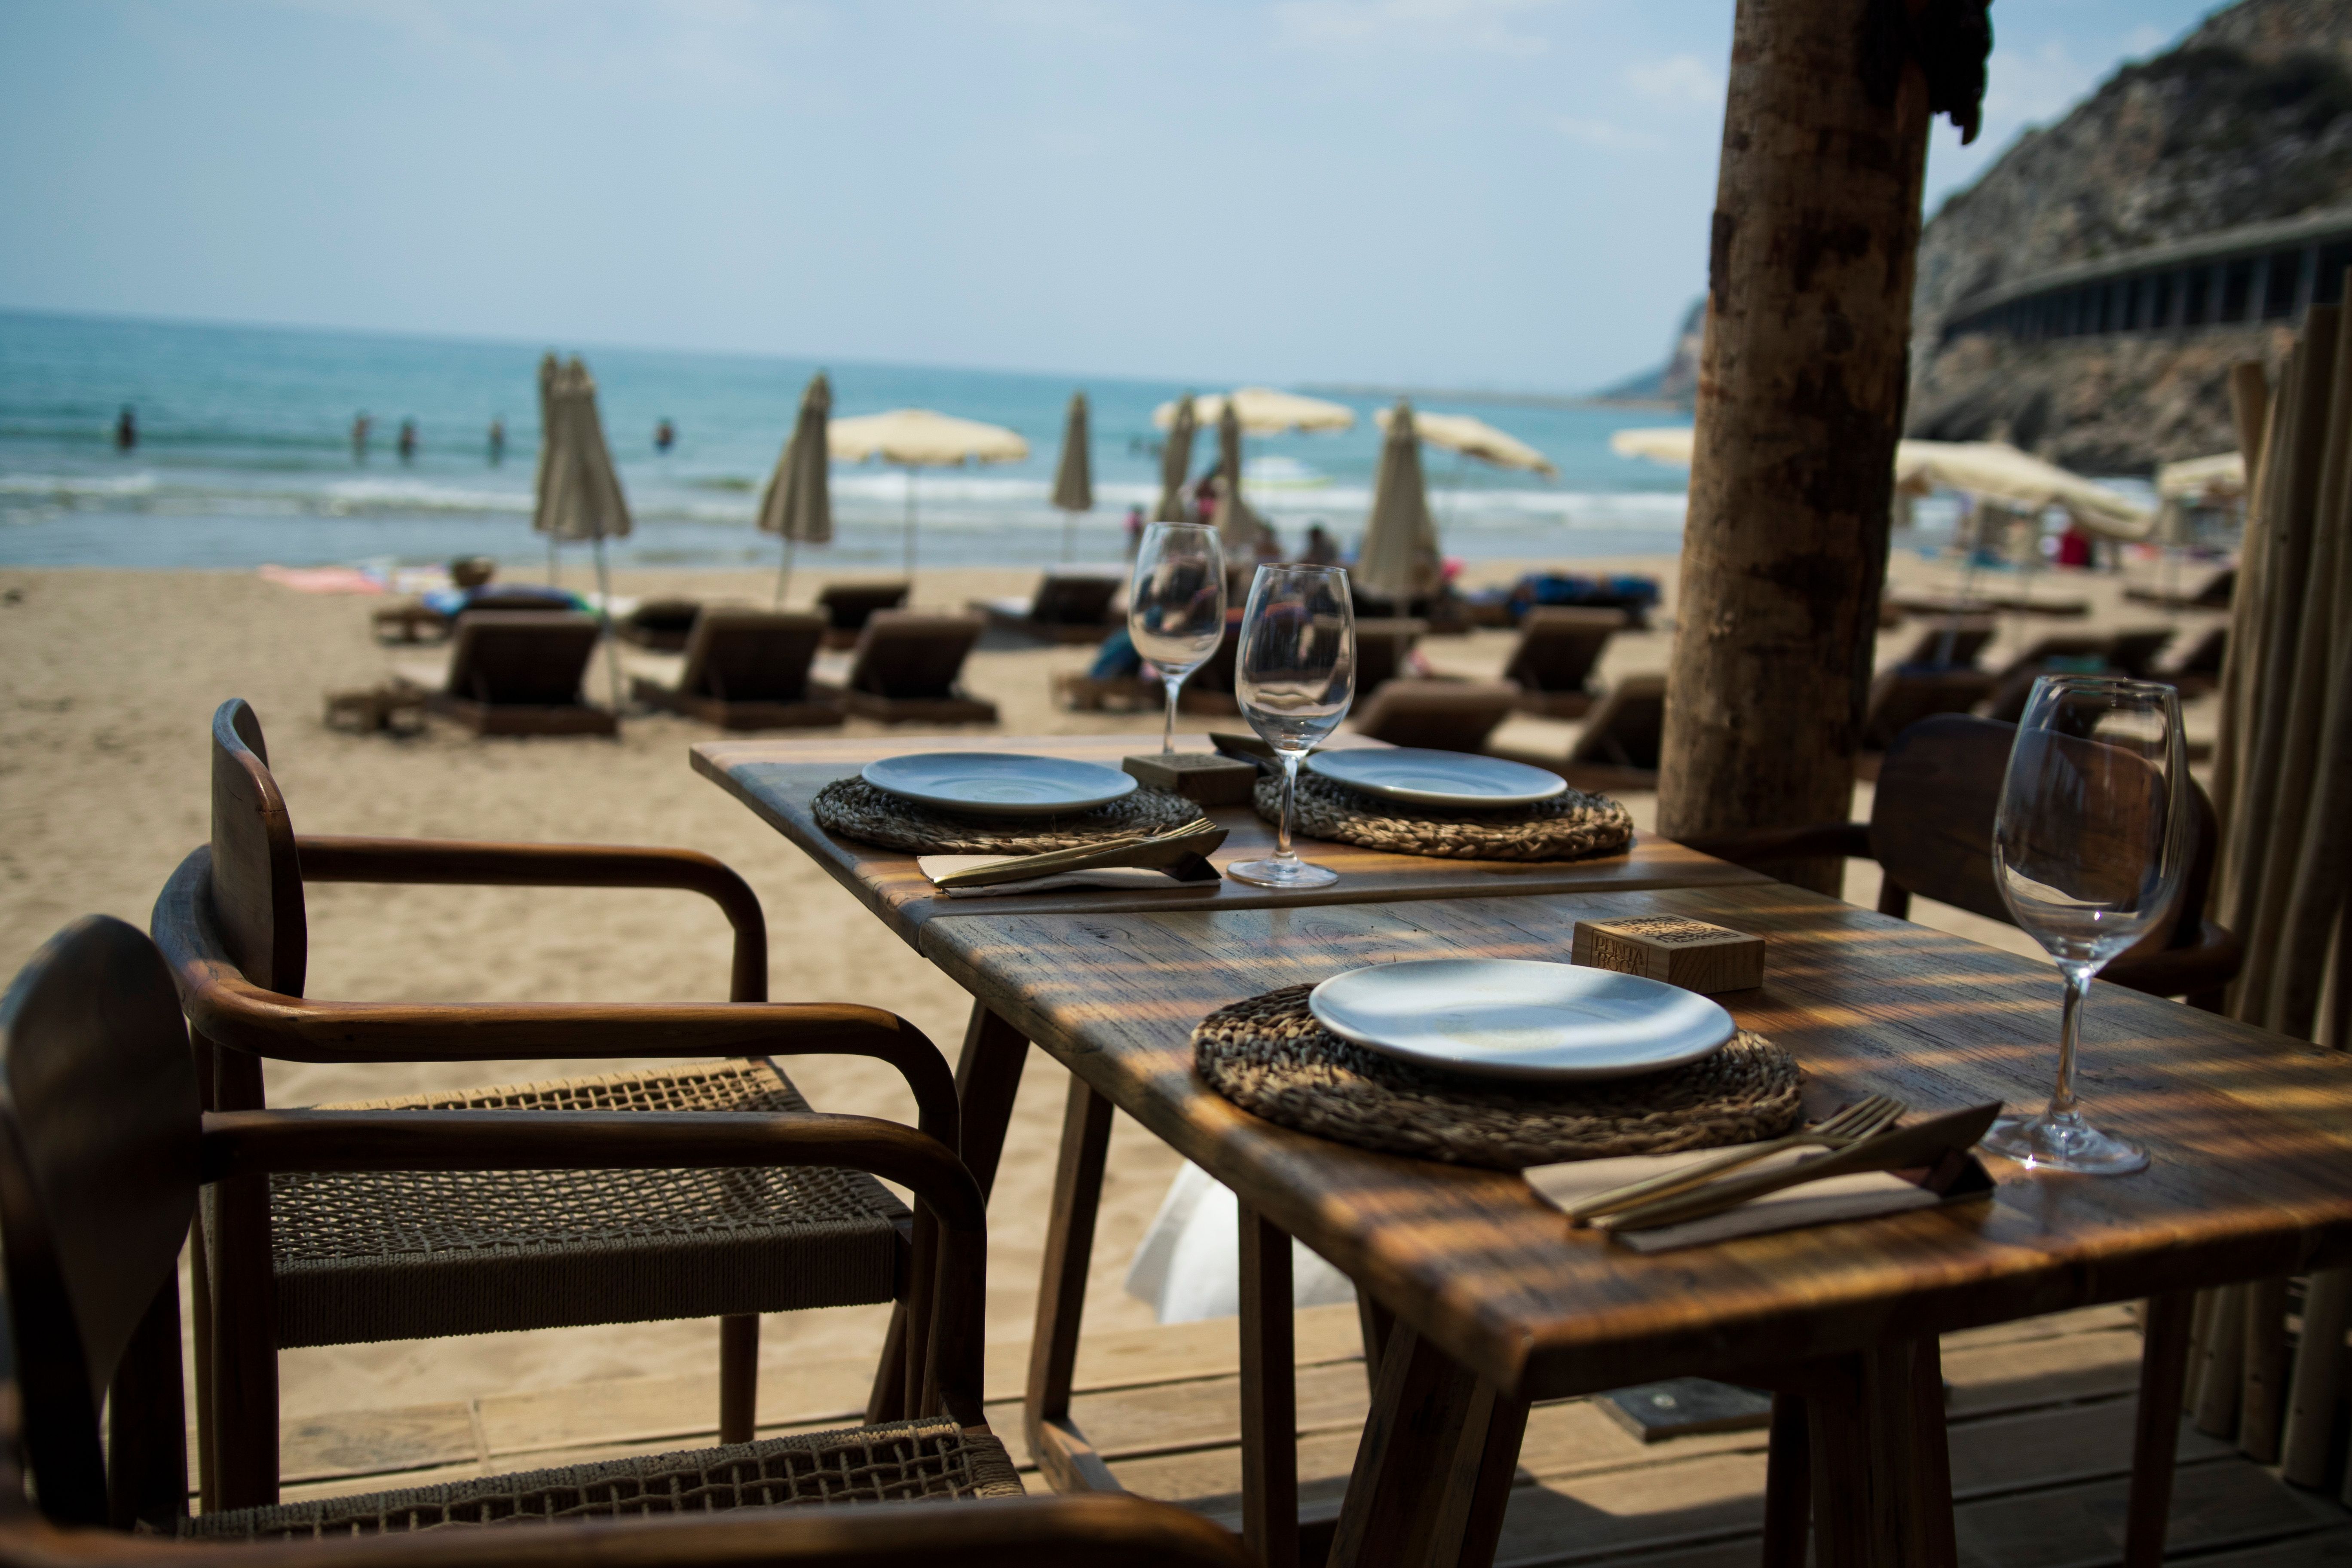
(425, 1255)
(899, 1461)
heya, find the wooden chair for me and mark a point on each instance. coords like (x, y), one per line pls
(907, 668)
(661, 625)
(1954, 643)
(1068, 607)
(2087, 652)
(1442, 715)
(1557, 651)
(104, 1149)
(847, 606)
(1382, 645)
(746, 670)
(518, 672)
(342, 1258)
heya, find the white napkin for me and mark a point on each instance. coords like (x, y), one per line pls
(1857, 1196)
(938, 866)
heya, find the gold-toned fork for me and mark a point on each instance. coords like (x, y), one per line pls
(1864, 1118)
(1196, 837)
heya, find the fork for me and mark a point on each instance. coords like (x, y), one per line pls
(1861, 1119)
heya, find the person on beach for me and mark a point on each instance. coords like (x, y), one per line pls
(126, 429)
(1322, 550)
(1205, 495)
(665, 435)
(498, 442)
(408, 440)
(1134, 531)
(361, 426)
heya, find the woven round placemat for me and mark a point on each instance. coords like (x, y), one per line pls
(855, 809)
(1569, 825)
(1270, 1056)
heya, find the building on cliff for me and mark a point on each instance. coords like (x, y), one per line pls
(2087, 296)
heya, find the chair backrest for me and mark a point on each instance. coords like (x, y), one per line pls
(1558, 646)
(1442, 715)
(750, 655)
(1629, 728)
(1901, 697)
(98, 1128)
(257, 874)
(2204, 657)
(905, 653)
(847, 606)
(1074, 601)
(1955, 641)
(1381, 644)
(2134, 652)
(531, 657)
(1931, 820)
(2060, 645)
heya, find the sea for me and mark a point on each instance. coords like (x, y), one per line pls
(245, 456)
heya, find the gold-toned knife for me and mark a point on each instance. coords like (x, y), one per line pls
(1182, 852)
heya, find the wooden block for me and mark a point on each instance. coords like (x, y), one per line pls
(1203, 776)
(1681, 1405)
(1690, 953)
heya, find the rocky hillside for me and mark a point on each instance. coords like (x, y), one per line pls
(1676, 380)
(2249, 119)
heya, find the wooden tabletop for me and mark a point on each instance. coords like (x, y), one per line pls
(779, 779)
(2251, 1133)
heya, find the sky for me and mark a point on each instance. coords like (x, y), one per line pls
(1447, 194)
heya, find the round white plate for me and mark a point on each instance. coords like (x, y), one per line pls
(1511, 1018)
(999, 783)
(1436, 778)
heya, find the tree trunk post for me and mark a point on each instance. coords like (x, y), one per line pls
(1800, 398)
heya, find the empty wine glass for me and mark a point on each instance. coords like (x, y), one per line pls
(2089, 848)
(1295, 675)
(1176, 605)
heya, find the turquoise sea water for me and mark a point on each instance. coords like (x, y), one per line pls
(245, 456)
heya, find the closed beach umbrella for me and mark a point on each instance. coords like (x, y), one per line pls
(1175, 459)
(1475, 439)
(549, 369)
(916, 439)
(798, 504)
(1263, 411)
(1074, 480)
(1242, 532)
(579, 492)
(1400, 561)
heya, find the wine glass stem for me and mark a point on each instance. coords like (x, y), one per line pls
(1289, 790)
(2070, 1028)
(1174, 683)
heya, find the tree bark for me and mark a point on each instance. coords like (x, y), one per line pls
(1800, 398)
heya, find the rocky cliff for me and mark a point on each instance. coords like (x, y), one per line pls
(2248, 120)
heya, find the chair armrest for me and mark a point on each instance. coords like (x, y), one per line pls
(228, 1010)
(1766, 845)
(447, 861)
(2211, 962)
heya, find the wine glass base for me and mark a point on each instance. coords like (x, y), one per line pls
(2045, 1143)
(1281, 874)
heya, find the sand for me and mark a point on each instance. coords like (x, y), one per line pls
(111, 678)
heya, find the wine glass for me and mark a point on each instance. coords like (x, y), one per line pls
(2089, 849)
(1295, 676)
(1176, 605)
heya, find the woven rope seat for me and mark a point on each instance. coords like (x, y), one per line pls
(1269, 1055)
(855, 809)
(895, 1462)
(1567, 826)
(425, 1255)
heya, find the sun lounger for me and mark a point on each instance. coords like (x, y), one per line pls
(2134, 652)
(1442, 715)
(2209, 589)
(1382, 646)
(746, 670)
(518, 673)
(847, 607)
(662, 625)
(1937, 604)
(1618, 749)
(1901, 697)
(2032, 605)
(1559, 649)
(1066, 609)
(2198, 669)
(1955, 641)
(431, 618)
(2070, 647)
(907, 669)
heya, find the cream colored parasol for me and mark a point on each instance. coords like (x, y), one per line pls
(916, 439)
(1074, 480)
(1474, 438)
(1400, 561)
(1175, 460)
(1262, 411)
(798, 503)
(2220, 478)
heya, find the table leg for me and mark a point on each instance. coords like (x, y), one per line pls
(1374, 1322)
(988, 1075)
(1395, 1515)
(1881, 1475)
(1485, 1464)
(1269, 1397)
(1064, 1457)
(1788, 1485)
(2156, 1436)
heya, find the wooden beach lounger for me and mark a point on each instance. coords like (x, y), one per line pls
(1967, 636)
(1074, 608)
(410, 620)
(662, 625)
(2134, 652)
(1382, 644)
(908, 670)
(515, 672)
(1901, 697)
(847, 606)
(1442, 715)
(331, 1258)
(1618, 749)
(747, 670)
(2211, 589)
(1559, 649)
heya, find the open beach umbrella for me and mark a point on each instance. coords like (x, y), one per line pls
(798, 502)
(1242, 532)
(1074, 480)
(1400, 561)
(1175, 460)
(1263, 411)
(579, 492)
(2217, 478)
(1472, 437)
(914, 438)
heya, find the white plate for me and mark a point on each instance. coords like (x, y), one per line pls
(1512, 1017)
(1436, 778)
(999, 783)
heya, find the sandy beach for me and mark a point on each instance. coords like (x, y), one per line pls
(112, 679)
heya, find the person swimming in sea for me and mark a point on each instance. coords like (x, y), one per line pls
(408, 440)
(126, 429)
(361, 428)
(665, 435)
(498, 442)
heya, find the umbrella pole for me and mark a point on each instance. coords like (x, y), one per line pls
(1069, 536)
(784, 577)
(605, 613)
(551, 560)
